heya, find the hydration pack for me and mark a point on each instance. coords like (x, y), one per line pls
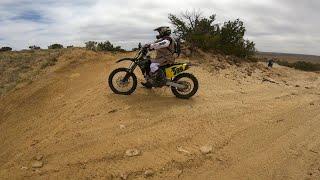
(177, 46)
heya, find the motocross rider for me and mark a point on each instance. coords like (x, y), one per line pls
(165, 47)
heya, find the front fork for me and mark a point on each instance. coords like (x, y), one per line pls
(130, 70)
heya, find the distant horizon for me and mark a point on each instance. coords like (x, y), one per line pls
(83, 46)
(288, 53)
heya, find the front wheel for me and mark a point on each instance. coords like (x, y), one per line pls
(121, 81)
(191, 83)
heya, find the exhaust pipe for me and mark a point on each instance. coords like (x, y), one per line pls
(176, 85)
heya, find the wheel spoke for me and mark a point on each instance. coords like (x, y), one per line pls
(187, 80)
(119, 85)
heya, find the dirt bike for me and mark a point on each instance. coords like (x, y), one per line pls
(124, 81)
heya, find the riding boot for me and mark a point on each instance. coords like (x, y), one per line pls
(159, 78)
(147, 84)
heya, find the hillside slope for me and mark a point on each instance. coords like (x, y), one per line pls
(71, 122)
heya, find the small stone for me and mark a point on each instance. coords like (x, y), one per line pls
(312, 103)
(180, 149)
(39, 157)
(297, 86)
(280, 120)
(148, 173)
(24, 168)
(132, 152)
(38, 171)
(122, 126)
(34, 142)
(179, 172)
(269, 80)
(124, 176)
(309, 87)
(37, 164)
(113, 111)
(206, 149)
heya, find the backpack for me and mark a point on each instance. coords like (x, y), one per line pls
(177, 46)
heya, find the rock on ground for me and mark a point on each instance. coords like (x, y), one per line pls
(206, 149)
(37, 164)
(24, 168)
(132, 152)
(148, 173)
(268, 80)
(39, 157)
(180, 149)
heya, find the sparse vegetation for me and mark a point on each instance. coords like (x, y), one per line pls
(34, 47)
(51, 61)
(55, 46)
(91, 45)
(21, 67)
(4, 49)
(301, 65)
(103, 46)
(204, 33)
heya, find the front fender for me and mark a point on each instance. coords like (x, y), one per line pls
(125, 59)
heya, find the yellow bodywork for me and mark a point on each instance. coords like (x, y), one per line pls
(175, 70)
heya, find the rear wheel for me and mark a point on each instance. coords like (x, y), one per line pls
(191, 83)
(122, 82)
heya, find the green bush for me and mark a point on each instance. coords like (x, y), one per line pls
(91, 45)
(3, 49)
(203, 33)
(55, 46)
(103, 46)
(34, 47)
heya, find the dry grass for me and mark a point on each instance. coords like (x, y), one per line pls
(20, 68)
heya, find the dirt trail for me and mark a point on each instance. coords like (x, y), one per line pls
(258, 129)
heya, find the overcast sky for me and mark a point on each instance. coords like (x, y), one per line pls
(274, 25)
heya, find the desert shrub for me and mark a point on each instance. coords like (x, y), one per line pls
(55, 46)
(202, 32)
(34, 47)
(103, 46)
(301, 65)
(50, 62)
(91, 45)
(3, 49)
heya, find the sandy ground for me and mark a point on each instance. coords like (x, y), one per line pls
(78, 129)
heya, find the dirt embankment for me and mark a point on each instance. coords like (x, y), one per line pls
(245, 122)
